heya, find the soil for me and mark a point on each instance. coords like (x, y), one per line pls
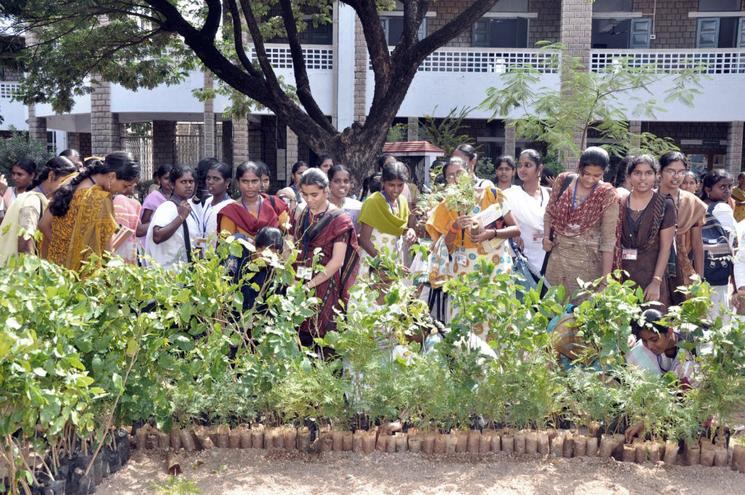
(233, 472)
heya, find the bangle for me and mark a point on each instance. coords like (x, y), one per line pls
(496, 233)
(657, 278)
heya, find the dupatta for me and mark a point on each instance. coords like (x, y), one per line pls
(269, 212)
(377, 213)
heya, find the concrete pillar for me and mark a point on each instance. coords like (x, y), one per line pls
(208, 143)
(240, 140)
(734, 147)
(164, 142)
(105, 129)
(360, 73)
(345, 54)
(576, 35)
(412, 129)
(635, 129)
(37, 126)
(510, 141)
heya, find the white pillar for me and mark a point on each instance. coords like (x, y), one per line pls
(344, 65)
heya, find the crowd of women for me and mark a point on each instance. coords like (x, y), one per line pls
(655, 221)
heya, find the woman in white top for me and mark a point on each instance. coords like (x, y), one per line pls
(340, 181)
(528, 203)
(165, 242)
(715, 192)
(218, 180)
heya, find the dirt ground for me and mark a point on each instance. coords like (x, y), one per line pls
(233, 472)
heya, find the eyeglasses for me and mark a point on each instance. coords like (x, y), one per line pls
(675, 173)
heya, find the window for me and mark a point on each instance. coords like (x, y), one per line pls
(393, 26)
(612, 6)
(621, 33)
(718, 5)
(720, 32)
(496, 32)
(323, 34)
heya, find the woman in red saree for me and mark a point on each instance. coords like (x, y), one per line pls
(321, 225)
(254, 210)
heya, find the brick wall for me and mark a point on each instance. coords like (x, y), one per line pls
(673, 28)
(105, 128)
(445, 12)
(547, 26)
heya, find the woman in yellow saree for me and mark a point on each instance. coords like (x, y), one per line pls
(80, 219)
(480, 232)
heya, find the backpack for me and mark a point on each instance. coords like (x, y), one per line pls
(718, 265)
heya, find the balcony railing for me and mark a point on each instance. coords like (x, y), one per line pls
(8, 90)
(496, 60)
(710, 61)
(317, 57)
(489, 60)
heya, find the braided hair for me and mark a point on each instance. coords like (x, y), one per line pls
(119, 162)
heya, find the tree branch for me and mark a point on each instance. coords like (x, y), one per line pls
(421, 50)
(238, 40)
(212, 23)
(302, 83)
(258, 41)
(377, 47)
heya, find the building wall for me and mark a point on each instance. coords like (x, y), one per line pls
(673, 28)
(546, 27)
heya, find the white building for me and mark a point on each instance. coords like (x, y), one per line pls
(664, 33)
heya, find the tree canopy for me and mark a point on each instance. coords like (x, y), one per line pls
(144, 43)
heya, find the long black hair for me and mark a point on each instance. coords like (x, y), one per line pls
(60, 165)
(711, 178)
(119, 162)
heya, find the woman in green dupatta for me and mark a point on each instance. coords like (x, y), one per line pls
(384, 219)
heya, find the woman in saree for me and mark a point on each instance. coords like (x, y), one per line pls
(691, 214)
(647, 231)
(321, 225)
(127, 215)
(255, 209)
(22, 218)
(579, 228)
(464, 241)
(80, 219)
(384, 219)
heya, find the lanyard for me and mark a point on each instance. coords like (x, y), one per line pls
(390, 204)
(305, 226)
(574, 195)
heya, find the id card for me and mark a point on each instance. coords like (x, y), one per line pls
(304, 272)
(461, 259)
(629, 254)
